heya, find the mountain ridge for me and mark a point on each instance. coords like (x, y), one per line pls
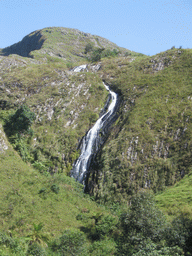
(65, 43)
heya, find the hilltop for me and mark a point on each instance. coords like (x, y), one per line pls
(63, 43)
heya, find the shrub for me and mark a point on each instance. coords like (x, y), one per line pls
(36, 250)
(95, 56)
(70, 243)
(88, 48)
(20, 121)
(55, 188)
(103, 248)
(39, 166)
(8, 241)
(180, 233)
(151, 249)
(143, 221)
(106, 226)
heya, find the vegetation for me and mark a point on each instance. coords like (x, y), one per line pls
(144, 166)
(95, 54)
(140, 230)
(150, 144)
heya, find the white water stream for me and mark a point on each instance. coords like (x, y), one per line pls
(82, 164)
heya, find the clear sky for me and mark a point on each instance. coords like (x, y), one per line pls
(146, 26)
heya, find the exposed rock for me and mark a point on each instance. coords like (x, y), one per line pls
(3, 143)
(81, 68)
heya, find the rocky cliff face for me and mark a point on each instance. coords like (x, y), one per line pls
(66, 104)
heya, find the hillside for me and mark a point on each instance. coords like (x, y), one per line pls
(150, 145)
(46, 107)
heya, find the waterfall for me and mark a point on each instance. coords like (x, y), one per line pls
(91, 139)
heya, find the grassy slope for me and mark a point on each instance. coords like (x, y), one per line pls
(26, 198)
(177, 200)
(150, 145)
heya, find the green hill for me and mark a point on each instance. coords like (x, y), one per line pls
(177, 199)
(45, 110)
(63, 43)
(29, 198)
(150, 144)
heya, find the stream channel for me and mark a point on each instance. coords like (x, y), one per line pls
(91, 141)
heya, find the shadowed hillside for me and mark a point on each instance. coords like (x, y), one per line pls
(32, 42)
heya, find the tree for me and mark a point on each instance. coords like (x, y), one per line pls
(88, 48)
(143, 221)
(18, 129)
(72, 242)
(21, 121)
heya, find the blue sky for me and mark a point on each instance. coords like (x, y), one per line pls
(146, 26)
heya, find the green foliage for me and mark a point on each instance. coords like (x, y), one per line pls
(21, 121)
(106, 226)
(37, 236)
(8, 241)
(19, 143)
(36, 250)
(70, 243)
(18, 129)
(39, 166)
(108, 53)
(99, 53)
(143, 221)
(180, 233)
(103, 248)
(151, 249)
(149, 146)
(55, 188)
(88, 48)
(177, 200)
(95, 56)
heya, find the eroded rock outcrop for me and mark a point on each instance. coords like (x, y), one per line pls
(3, 141)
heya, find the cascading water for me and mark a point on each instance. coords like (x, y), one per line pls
(90, 140)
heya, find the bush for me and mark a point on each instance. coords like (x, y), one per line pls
(143, 221)
(70, 243)
(8, 241)
(108, 53)
(88, 48)
(21, 121)
(36, 250)
(17, 127)
(39, 166)
(55, 188)
(151, 249)
(106, 226)
(95, 57)
(103, 248)
(180, 233)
